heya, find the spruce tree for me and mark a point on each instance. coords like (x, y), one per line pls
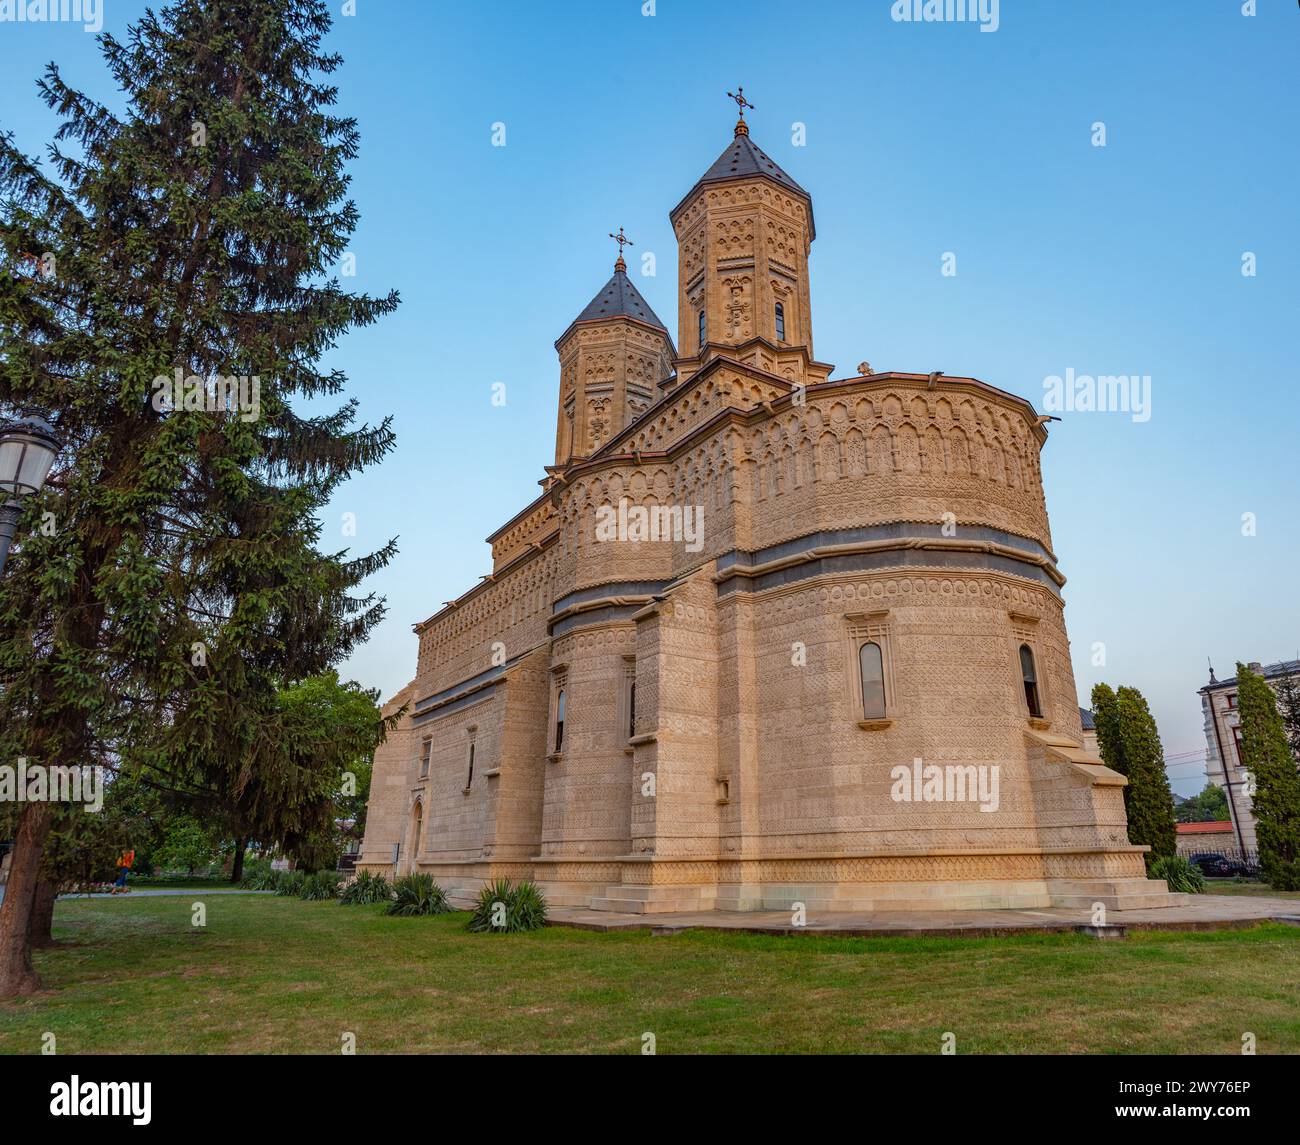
(1148, 801)
(1266, 755)
(172, 577)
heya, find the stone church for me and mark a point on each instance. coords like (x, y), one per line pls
(766, 636)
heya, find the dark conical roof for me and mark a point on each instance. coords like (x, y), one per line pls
(744, 159)
(618, 298)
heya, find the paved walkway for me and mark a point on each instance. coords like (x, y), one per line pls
(152, 892)
(1193, 912)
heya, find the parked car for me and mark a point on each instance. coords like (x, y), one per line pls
(1215, 866)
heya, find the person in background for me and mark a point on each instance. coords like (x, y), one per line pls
(125, 861)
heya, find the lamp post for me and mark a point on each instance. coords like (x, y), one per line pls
(28, 447)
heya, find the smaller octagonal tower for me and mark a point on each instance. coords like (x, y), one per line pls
(612, 358)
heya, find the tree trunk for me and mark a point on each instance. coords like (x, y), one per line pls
(237, 864)
(16, 973)
(40, 931)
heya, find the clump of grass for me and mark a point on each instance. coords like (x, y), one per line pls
(319, 885)
(289, 883)
(416, 895)
(368, 887)
(503, 908)
(1183, 877)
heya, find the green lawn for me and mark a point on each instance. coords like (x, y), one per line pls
(1214, 887)
(279, 975)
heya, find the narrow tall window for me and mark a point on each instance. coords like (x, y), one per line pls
(871, 667)
(469, 779)
(1030, 678)
(780, 322)
(425, 748)
(631, 710)
(559, 720)
(701, 329)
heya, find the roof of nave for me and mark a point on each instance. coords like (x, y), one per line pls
(618, 298)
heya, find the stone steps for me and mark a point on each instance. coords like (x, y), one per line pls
(633, 899)
(1113, 894)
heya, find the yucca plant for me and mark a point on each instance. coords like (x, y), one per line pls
(258, 876)
(289, 882)
(368, 887)
(319, 885)
(503, 908)
(418, 894)
(1183, 877)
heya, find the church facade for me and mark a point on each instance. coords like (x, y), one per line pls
(767, 636)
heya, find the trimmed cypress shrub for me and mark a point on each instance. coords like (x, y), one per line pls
(1266, 755)
(1129, 742)
(1148, 801)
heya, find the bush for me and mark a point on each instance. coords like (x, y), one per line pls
(288, 882)
(1183, 877)
(258, 875)
(520, 908)
(365, 889)
(418, 894)
(319, 885)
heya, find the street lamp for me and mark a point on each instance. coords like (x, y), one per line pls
(28, 447)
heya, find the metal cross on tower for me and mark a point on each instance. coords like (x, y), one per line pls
(622, 240)
(741, 102)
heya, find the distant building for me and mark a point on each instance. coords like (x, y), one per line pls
(1216, 838)
(1223, 765)
(1089, 732)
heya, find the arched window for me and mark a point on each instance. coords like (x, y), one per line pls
(701, 330)
(559, 719)
(1030, 678)
(871, 667)
(780, 322)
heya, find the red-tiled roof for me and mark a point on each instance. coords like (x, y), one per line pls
(1214, 828)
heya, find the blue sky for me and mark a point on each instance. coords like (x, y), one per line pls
(920, 139)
